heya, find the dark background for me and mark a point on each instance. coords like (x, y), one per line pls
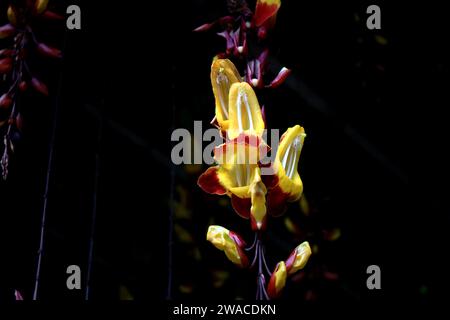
(133, 73)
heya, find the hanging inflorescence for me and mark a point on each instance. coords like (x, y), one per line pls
(15, 72)
(257, 189)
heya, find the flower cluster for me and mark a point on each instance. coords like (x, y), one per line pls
(21, 43)
(238, 172)
(244, 32)
(258, 188)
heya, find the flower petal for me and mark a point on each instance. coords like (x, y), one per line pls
(298, 258)
(258, 209)
(280, 78)
(209, 182)
(277, 201)
(229, 242)
(223, 75)
(244, 112)
(288, 155)
(277, 281)
(241, 206)
(265, 9)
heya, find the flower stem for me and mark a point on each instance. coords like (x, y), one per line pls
(259, 261)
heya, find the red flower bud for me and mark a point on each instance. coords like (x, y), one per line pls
(7, 31)
(39, 86)
(23, 86)
(48, 51)
(5, 65)
(50, 15)
(5, 101)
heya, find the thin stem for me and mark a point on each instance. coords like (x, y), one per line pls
(253, 244)
(264, 262)
(255, 258)
(171, 207)
(94, 213)
(47, 182)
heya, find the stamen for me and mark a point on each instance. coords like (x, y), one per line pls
(286, 154)
(249, 113)
(243, 99)
(239, 111)
(291, 156)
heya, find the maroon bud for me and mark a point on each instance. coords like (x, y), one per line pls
(19, 121)
(23, 86)
(5, 101)
(7, 31)
(5, 65)
(6, 53)
(280, 78)
(50, 15)
(48, 51)
(39, 86)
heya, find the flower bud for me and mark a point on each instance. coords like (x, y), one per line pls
(277, 281)
(298, 258)
(229, 242)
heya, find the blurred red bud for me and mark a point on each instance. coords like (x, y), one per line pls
(19, 121)
(50, 15)
(6, 53)
(23, 86)
(7, 31)
(48, 51)
(39, 86)
(5, 101)
(5, 65)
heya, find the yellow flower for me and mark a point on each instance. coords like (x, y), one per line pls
(238, 175)
(277, 281)
(223, 75)
(245, 115)
(285, 184)
(298, 258)
(229, 242)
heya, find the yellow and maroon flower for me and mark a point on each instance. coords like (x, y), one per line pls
(277, 281)
(230, 243)
(285, 184)
(298, 258)
(238, 175)
(223, 75)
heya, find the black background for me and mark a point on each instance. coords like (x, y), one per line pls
(138, 71)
